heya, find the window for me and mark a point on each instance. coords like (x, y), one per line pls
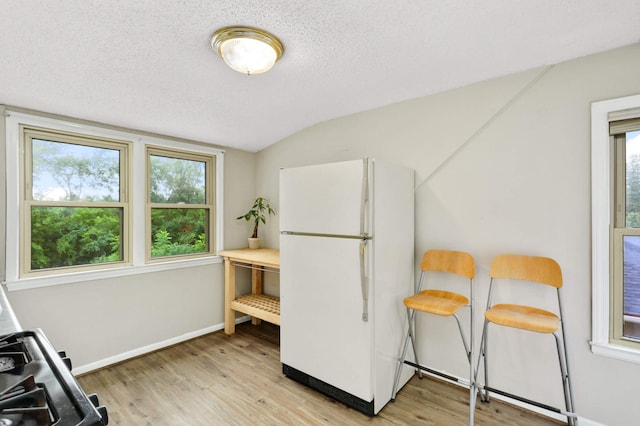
(180, 204)
(86, 202)
(625, 303)
(615, 171)
(74, 206)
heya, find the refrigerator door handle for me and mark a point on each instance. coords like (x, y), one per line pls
(364, 281)
(364, 199)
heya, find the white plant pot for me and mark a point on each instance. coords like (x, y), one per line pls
(254, 243)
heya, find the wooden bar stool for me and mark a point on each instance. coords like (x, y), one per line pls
(444, 303)
(510, 268)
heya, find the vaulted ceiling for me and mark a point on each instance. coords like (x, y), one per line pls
(148, 64)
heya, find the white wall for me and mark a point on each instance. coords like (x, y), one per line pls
(501, 166)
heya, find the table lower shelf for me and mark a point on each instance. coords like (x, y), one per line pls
(259, 306)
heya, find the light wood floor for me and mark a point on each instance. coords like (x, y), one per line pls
(237, 380)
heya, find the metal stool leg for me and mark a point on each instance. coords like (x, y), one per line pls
(400, 365)
(484, 394)
(564, 372)
(566, 382)
(408, 337)
(412, 332)
(472, 381)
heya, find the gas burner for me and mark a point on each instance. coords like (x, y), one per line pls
(10, 361)
(26, 417)
(13, 355)
(7, 363)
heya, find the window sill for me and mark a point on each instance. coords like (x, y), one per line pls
(51, 280)
(622, 353)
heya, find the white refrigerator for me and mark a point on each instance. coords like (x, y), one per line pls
(346, 263)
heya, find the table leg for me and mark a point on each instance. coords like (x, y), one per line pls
(229, 296)
(256, 286)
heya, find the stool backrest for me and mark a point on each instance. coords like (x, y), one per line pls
(456, 262)
(538, 269)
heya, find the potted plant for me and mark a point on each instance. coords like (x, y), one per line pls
(258, 213)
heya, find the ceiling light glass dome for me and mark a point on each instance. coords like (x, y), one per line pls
(247, 50)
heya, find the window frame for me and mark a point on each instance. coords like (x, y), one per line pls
(603, 340)
(27, 134)
(210, 192)
(619, 230)
(137, 264)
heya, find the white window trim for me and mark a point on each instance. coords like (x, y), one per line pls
(13, 281)
(600, 227)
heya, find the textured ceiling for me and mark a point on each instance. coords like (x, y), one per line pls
(148, 64)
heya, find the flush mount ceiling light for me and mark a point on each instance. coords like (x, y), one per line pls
(247, 50)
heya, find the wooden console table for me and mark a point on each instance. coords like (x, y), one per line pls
(256, 304)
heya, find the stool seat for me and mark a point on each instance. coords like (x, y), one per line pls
(523, 317)
(439, 302)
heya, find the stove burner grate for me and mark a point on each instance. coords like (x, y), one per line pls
(24, 404)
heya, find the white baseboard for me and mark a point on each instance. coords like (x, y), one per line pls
(150, 348)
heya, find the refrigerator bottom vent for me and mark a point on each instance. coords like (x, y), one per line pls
(365, 407)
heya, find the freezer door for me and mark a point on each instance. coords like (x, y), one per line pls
(325, 199)
(321, 329)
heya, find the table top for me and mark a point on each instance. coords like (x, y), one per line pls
(262, 256)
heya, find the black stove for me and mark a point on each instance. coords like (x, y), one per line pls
(37, 387)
